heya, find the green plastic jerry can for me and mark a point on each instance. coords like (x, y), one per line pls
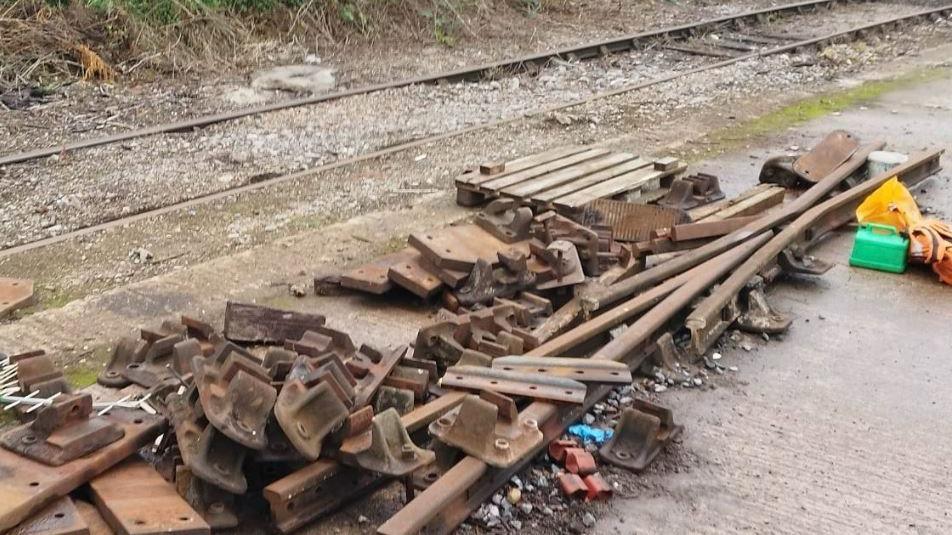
(880, 247)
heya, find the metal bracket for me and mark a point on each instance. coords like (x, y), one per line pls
(475, 427)
(236, 394)
(371, 367)
(385, 448)
(209, 454)
(803, 265)
(321, 341)
(506, 221)
(514, 383)
(759, 317)
(642, 432)
(37, 373)
(63, 431)
(314, 403)
(586, 370)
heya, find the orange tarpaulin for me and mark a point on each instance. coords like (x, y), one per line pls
(930, 240)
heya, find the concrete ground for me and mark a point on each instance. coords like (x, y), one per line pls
(841, 427)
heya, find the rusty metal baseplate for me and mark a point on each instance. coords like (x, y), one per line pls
(692, 191)
(33, 485)
(59, 518)
(36, 372)
(15, 294)
(315, 400)
(836, 148)
(514, 383)
(385, 448)
(492, 431)
(64, 431)
(255, 323)
(135, 500)
(236, 394)
(208, 453)
(642, 432)
(585, 370)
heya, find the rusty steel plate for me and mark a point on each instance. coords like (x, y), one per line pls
(373, 277)
(135, 500)
(14, 294)
(254, 323)
(459, 247)
(586, 370)
(532, 385)
(836, 148)
(28, 485)
(631, 222)
(414, 275)
(59, 518)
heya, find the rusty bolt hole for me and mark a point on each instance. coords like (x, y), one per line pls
(139, 522)
(217, 507)
(28, 439)
(302, 430)
(622, 454)
(133, 366)
(112, 373)
(59, 515)
(184, 519)
(431, 476)
(34, 483)
(137, 421)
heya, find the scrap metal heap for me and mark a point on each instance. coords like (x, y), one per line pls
(277, 407)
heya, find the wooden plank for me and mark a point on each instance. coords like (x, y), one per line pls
(614, 186)
(473, 176)
(591, 180)
(508, 179)
(551, 180)
(752, 205)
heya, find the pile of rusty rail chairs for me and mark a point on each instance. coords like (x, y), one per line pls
(280, 409)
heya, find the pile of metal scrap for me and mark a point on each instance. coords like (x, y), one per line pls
(505, 251)
(279, 409)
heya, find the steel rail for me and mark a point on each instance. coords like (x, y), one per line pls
(704, 321)
(247, 188)
(789, 211)
(598, 48)
(450, 500)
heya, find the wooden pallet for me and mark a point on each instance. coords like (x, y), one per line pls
(566, 178)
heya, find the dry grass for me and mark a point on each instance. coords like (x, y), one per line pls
(43, 45)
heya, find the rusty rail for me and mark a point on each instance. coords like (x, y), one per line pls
(450, 500)
(686, 261)
(246, 188)
(588, 50)
(704, 322)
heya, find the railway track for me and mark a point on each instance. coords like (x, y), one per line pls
(737, 40)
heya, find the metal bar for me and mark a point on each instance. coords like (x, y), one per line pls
(532, 385)
(678, 265)
(709, 229)
(619, 43)
(441, 507)
(211, 197)
(566, 342)
(705, 321)
(585, 370)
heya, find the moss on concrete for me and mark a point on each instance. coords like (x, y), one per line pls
(808, 109)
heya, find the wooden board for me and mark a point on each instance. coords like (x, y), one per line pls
(615, 186)
(551, 180)
(254, 323)
(590, 180)
(473, 176)
(508, 179)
